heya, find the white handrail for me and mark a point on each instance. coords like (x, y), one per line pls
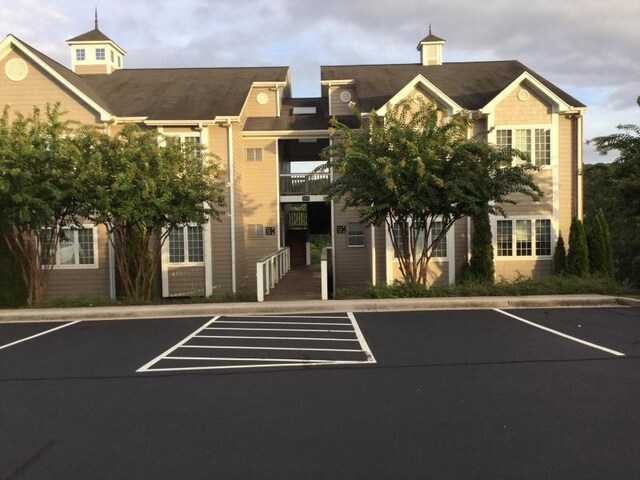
(269, 271)
(325, 256)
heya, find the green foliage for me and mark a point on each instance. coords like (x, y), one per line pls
(411, 168)
(555, 285)
(608, 249)
(578, 256)
(635, 271)
(598, 246)
(12, 289)
(615, 188)
(560, 257)
(43, 182)
(481, 266)
(143, 188)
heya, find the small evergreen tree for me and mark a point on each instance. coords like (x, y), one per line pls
(560, 258)
(481, 265)
(596, 244)
(608, 249)
(578, 256)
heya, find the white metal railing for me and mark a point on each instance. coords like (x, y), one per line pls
(325, 263)
(270, 269)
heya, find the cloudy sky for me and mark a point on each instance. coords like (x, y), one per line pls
(590, 48)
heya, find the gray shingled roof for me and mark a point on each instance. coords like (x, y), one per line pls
(94, 35)
(470, 84)
(181, 93)
(431, 38)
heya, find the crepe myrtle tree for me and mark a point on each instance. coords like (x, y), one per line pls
(410, 167)
(42, 179)
(143, 186)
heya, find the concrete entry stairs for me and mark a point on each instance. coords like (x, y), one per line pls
(300, 283)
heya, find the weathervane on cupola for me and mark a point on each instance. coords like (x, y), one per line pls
(430, 48)
(96, 21)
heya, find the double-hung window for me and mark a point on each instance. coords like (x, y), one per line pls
(534, 142)
(100, 54)
(186, 244)
(77, 248)
(439, 250)
(355, 234)
(523, 238)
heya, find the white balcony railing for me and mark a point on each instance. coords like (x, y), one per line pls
(304, 183)
(269, 271)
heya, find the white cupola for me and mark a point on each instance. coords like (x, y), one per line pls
(95, 53)
(431, 49)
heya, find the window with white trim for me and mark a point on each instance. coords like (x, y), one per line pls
(186, 244)
(355, 234)
(80, 54)
(119, 61)
(254, 154)
(535, 143)
(77, 248)
(100, 54)
(523, 237)
(439, 250)
(113, 57)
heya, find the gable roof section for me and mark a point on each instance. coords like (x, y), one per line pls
(181, 93)
(472, 85)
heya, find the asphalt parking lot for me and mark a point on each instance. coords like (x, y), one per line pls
(468, 394)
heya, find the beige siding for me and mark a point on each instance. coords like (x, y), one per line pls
(186, 281)
(260, 202)
(338, 107)
(437, 274)
(353, 264)
(83, 281)
(512, 111)
(242, 274)
(221, 230)
(90, 69)
(39, 89)
(512, 269)
(567, 173)
(526, 206)
(254, 109)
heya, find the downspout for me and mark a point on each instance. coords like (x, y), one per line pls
(580, 168)
(232, 204)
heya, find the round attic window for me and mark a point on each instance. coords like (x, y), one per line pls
(345, 96)
(523, 95)
(262, 98)
(16, 69)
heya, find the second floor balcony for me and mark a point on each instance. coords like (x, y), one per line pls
(304, 183)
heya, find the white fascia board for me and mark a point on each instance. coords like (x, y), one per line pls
(420, 80)
(331, 83)
(99, 42)
(178, 122)
(536, 84)
(286, 133)
(11, 40)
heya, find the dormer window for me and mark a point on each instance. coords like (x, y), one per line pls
(80, 54)
(100, 54)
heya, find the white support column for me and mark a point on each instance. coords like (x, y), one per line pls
(389, 256)
(307, 247)
(555, 172)
(374, 278)
(451, 253)
(164, 263)
(260, 282)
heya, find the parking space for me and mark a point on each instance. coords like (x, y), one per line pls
(458, 394)
(264, 341)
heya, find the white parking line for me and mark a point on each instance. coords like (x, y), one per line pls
(288, 316)
(318, 339)
(146, 366)
(285, 323)
(39, 334)
(564, 335)
(262, 359)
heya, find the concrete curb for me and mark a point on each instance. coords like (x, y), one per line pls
(313, 306)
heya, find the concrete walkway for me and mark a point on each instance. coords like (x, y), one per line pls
(310, 306)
